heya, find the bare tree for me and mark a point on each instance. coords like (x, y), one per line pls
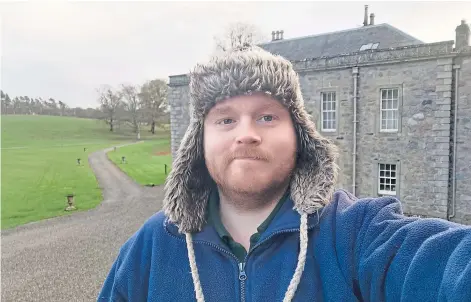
(132, 106)
(62, 107)
(30, 105)
(110, 101)
(153, 96)
(238, 34)
(52, 106)
(16, 104)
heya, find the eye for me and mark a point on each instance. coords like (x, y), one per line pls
(267, 118)
(225, 121)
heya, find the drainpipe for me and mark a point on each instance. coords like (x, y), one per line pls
(455, 136)
(354, 153)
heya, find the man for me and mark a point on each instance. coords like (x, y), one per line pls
(250, 212)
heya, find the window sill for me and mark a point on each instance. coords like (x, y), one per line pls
(387, 194)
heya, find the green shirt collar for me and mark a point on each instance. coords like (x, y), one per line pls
(214, 218)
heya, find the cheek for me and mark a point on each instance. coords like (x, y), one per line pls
(285, 152)
(284, 143)
(215, 149)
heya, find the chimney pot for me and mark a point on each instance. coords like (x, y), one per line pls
(372, 19)
(281, 34)
(365, 20)
(273, 35)
(462, 35)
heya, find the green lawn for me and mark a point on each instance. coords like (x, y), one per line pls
(39, 164)
(145, 162)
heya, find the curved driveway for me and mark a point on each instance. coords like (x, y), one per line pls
(67, 258)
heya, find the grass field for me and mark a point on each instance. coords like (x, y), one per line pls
(39, 164)
(145, 162)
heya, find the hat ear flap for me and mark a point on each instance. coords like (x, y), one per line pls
(187, 185)
(315, 176)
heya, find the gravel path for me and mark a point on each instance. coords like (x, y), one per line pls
(67, 258)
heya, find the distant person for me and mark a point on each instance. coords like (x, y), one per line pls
(250, 212)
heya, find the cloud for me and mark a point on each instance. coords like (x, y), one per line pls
(66, 50)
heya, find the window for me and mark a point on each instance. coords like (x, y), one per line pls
(329, 110)
(365, 46)
(387, 180)
(389, 110)
(369, 46)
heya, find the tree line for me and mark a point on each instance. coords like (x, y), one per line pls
(132, 104)
(26, 105)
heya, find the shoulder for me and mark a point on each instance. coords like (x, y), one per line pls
(147, 237)
(349, 212)
(154, 224)
(372, 216)
(133, 261)
(346, 206)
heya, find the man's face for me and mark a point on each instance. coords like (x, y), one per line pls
(249, 144)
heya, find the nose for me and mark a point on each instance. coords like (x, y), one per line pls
(247, 134)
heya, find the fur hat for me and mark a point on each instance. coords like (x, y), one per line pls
(240, 72)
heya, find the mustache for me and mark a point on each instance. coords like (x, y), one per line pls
(248, 153)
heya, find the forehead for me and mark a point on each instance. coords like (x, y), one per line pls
(243, 103)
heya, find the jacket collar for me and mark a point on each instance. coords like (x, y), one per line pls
(287, 219)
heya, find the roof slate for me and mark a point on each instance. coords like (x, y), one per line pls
(340, 42)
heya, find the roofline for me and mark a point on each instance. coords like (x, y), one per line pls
(184, 77)
(343, 31)
(179, 75)
(403, 33)
(449, 42)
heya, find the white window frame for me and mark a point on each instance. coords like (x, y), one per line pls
(393, 105)
(369, 46)
(391, 168)
(331, 98)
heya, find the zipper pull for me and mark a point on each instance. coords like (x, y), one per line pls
(242, 275)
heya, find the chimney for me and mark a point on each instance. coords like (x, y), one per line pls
(372, 19)
(365, 21)
(462, 35)
(277, 35)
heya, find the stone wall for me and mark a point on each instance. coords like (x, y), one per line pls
(420, 148)
(463, 154)
(424, 128)
(178, 98)
(340, 82)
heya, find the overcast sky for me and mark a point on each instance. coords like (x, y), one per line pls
(66, 50)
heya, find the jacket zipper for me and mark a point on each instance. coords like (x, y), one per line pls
(241, 265)
(242, 274)
(242, 278)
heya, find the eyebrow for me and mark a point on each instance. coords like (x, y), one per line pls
(222, 110)
(268, 106)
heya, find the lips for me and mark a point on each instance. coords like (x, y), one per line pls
(249, 159)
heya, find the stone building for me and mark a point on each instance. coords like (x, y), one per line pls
(398, 109)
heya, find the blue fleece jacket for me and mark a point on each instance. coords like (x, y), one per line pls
(358, 250)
